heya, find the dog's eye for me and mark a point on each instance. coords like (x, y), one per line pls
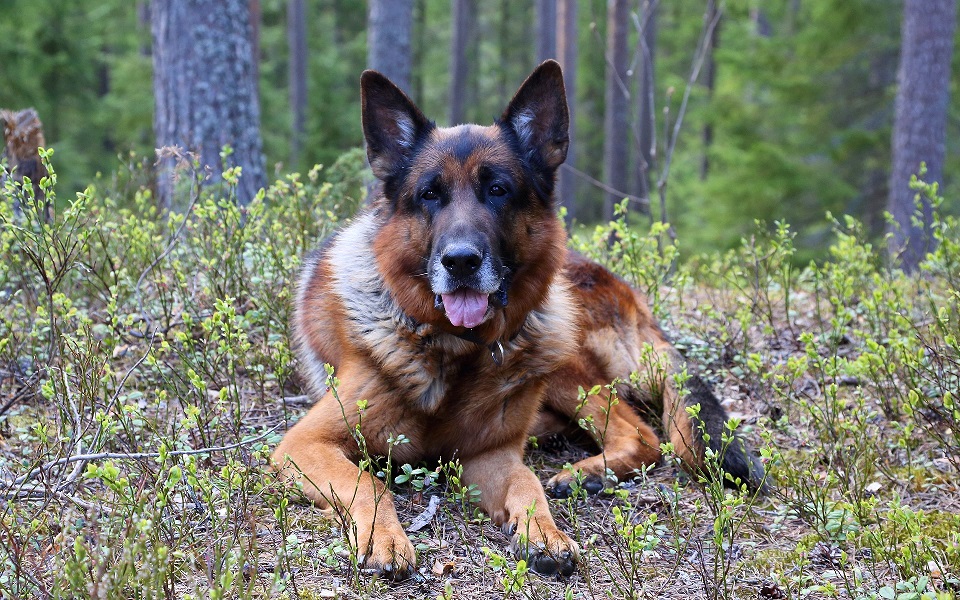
(497, 190)
(429, 195)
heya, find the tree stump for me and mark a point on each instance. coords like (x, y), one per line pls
(22, 140)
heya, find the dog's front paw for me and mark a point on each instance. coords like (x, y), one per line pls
(387, 553)
(547, 550)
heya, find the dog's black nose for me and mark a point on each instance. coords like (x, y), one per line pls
(461, 260)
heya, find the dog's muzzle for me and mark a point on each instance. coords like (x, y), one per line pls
(463, 277)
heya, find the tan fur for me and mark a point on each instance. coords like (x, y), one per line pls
(366, 306)
(451, 400)
(444, 394)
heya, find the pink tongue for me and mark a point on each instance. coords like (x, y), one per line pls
(465, 307)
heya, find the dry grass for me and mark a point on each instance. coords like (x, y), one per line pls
(145, 373)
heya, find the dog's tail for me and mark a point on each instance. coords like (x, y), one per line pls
(694, 420)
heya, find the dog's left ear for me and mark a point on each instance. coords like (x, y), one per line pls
(538, 115)
(392, 124)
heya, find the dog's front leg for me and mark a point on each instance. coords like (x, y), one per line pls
(513, 497)
(360, 500)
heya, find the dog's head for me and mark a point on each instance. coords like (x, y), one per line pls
(471, 225)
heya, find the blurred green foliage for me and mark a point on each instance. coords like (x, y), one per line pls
(801, 111)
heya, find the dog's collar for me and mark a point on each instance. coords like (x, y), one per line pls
(495, 347)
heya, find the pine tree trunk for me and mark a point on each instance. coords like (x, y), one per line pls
(205, 91)
(256, 15)
(616, 113)
(919, 132)
(546, 13)
(418, 49)
(646, 92)
(389, 26)
(567, 53)
(297, 38)
(463, 45)
(709, 82)
(504, 42)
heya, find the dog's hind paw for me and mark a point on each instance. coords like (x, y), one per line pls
(589, 475)
(563, 484)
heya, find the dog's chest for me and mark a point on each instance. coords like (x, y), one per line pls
(432, 369)
(422, 366)
(435, 370)
(426, 366)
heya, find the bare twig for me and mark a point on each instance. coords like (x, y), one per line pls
(123, 382)
(134, 456)
(700, 57)
(424, 518)
(24, 393)
(636, 199)
(170, 246)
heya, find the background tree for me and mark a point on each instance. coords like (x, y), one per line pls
(388, 39)
(54, 56)
(297, 38)
(919, 133)
(802, 110)
(256, 17)
(646, 94)
(546, 33)
(205, 90)
(616, 120)
(567, 55)
(463, 48)
(801, 114)
(514, 52)
(709, 80)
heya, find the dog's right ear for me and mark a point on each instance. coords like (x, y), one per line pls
(392, 124)
(539, 116)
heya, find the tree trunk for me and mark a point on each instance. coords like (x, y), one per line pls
(546, 29)
(418, 50)
(256, 15)
(205, 91)
(463, 46)
(919, 132)
(389, 26)
(297, 38)
(143, 21)
(567, 53)
(504, 42)
(646, 92)
(709, 81)
(616, 113)
(21, 134)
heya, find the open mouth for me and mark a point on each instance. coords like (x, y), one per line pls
(465, 307)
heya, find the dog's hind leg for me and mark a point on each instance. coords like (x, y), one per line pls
(661, 376)
(627, 443)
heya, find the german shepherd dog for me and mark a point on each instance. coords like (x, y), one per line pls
(453, 308)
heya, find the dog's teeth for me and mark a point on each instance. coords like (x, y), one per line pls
(438, 302)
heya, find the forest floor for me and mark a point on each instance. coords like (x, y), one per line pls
(146, 374)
